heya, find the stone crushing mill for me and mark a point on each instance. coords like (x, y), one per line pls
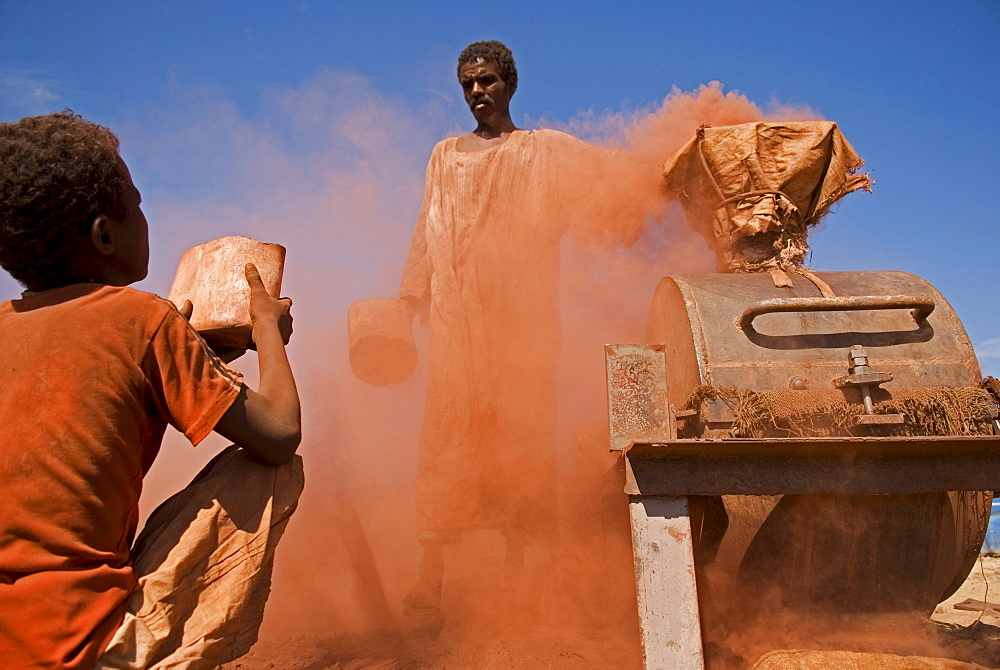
(795, 441)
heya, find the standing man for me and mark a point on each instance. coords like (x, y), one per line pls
(483, 274)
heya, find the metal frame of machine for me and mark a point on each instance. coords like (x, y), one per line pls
(742, 330)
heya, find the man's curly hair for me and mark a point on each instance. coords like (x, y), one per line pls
(495, 52)
(57, 172)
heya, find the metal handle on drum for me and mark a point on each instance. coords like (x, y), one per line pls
(922, 306)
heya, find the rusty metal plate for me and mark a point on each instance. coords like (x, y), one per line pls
(879, 420)
(637, 394)
(838, 466)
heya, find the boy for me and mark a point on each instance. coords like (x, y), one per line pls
(91, 372)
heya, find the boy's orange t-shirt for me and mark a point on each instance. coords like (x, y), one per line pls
(90, 375)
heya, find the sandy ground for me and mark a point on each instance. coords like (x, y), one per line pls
(974, 634)
(419, 648)
(520, 652)
(983, 584)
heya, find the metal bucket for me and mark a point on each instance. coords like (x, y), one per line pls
(382, 350)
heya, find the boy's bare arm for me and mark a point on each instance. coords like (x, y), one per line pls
(267, 423)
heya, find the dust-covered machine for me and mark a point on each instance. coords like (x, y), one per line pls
(816, 442)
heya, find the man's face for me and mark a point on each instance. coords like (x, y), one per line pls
(487, 95)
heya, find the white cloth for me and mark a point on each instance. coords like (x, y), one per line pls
(483, 267)
(204, 563)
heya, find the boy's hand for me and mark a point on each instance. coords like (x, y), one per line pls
(227, 354)
(265, 310)
(267, 422)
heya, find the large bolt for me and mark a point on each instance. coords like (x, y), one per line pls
(859, 359)
(859, 365)
(798, 384)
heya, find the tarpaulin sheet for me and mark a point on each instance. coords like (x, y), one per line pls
(738, 181)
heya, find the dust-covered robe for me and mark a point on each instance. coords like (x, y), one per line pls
(484, 268)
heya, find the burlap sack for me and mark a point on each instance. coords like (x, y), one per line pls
(762, 180)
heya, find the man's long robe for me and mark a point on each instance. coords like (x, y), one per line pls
(483, 267)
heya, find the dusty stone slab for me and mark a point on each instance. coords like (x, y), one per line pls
(211, 276)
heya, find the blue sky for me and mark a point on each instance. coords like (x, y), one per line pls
(226, 109)
(310, 124)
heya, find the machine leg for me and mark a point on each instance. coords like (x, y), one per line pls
(665, 583)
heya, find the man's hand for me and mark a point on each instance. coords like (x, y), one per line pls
(413, 307)
(266, 310)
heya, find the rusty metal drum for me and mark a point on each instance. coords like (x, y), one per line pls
(837, 553)
(783, 336)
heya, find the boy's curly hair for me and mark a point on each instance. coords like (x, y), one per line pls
(495, 52)
(57, 172)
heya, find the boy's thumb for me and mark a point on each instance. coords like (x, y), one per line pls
(253, 276)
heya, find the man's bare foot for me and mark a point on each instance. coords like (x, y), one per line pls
(426, 594)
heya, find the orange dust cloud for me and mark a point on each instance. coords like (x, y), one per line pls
(334, 171)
